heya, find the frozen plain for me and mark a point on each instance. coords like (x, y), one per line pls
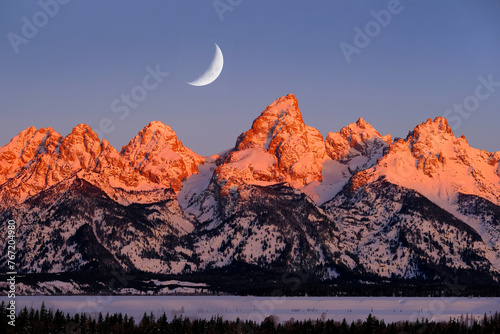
(390, 309)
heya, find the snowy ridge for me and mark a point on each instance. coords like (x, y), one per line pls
(153, 161)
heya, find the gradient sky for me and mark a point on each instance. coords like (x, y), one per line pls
(427, 59)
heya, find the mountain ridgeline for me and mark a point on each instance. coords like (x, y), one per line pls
(354, 206)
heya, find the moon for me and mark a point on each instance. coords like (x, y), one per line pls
(213, 71)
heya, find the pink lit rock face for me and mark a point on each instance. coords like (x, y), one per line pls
(25, 164)
(278, 148)
(283, 198)
(438, 165)
(156, 154)
(359, 137)
(37, 159)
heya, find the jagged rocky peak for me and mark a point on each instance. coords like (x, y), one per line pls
(281, 119)
(37, 159)
(157, 154)
(109, 157)
(368, 215)
(24, 148)
(49, 159)
(435, 139)
(354, 136)
(26, 165)
(438, 126)
(29, 143)
(279, 147)
(81, 147)
(152, 137)
(438, 165)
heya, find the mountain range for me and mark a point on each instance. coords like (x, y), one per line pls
(354, 206)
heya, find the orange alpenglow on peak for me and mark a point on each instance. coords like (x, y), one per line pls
(361, 123)
(81, 147)
(280, 118)
(278, 148)
(157, 154)
(433, 127)
(354, 136)
(435, 163)
(26, 147)
(37, 159)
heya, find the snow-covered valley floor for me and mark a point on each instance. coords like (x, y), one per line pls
(390, 309)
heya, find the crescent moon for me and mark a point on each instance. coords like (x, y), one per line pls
(213, 71)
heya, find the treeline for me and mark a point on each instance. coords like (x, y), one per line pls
(369, 290)
(46, 321)
(243, 279)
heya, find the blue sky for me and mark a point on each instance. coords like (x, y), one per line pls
(82, 58)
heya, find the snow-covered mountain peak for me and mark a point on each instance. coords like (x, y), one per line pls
(38, 159)
(354, 148)
(81, 147)
(356, 136)
(435, 138)
(157, 154)
(432, 128)
(276, 124)
(282, 148)
(438, 165)
(284, 106)
(154, 138)
(24, 148)
(421, 207)
(362, 123)
(151, 138)
(30, 142)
